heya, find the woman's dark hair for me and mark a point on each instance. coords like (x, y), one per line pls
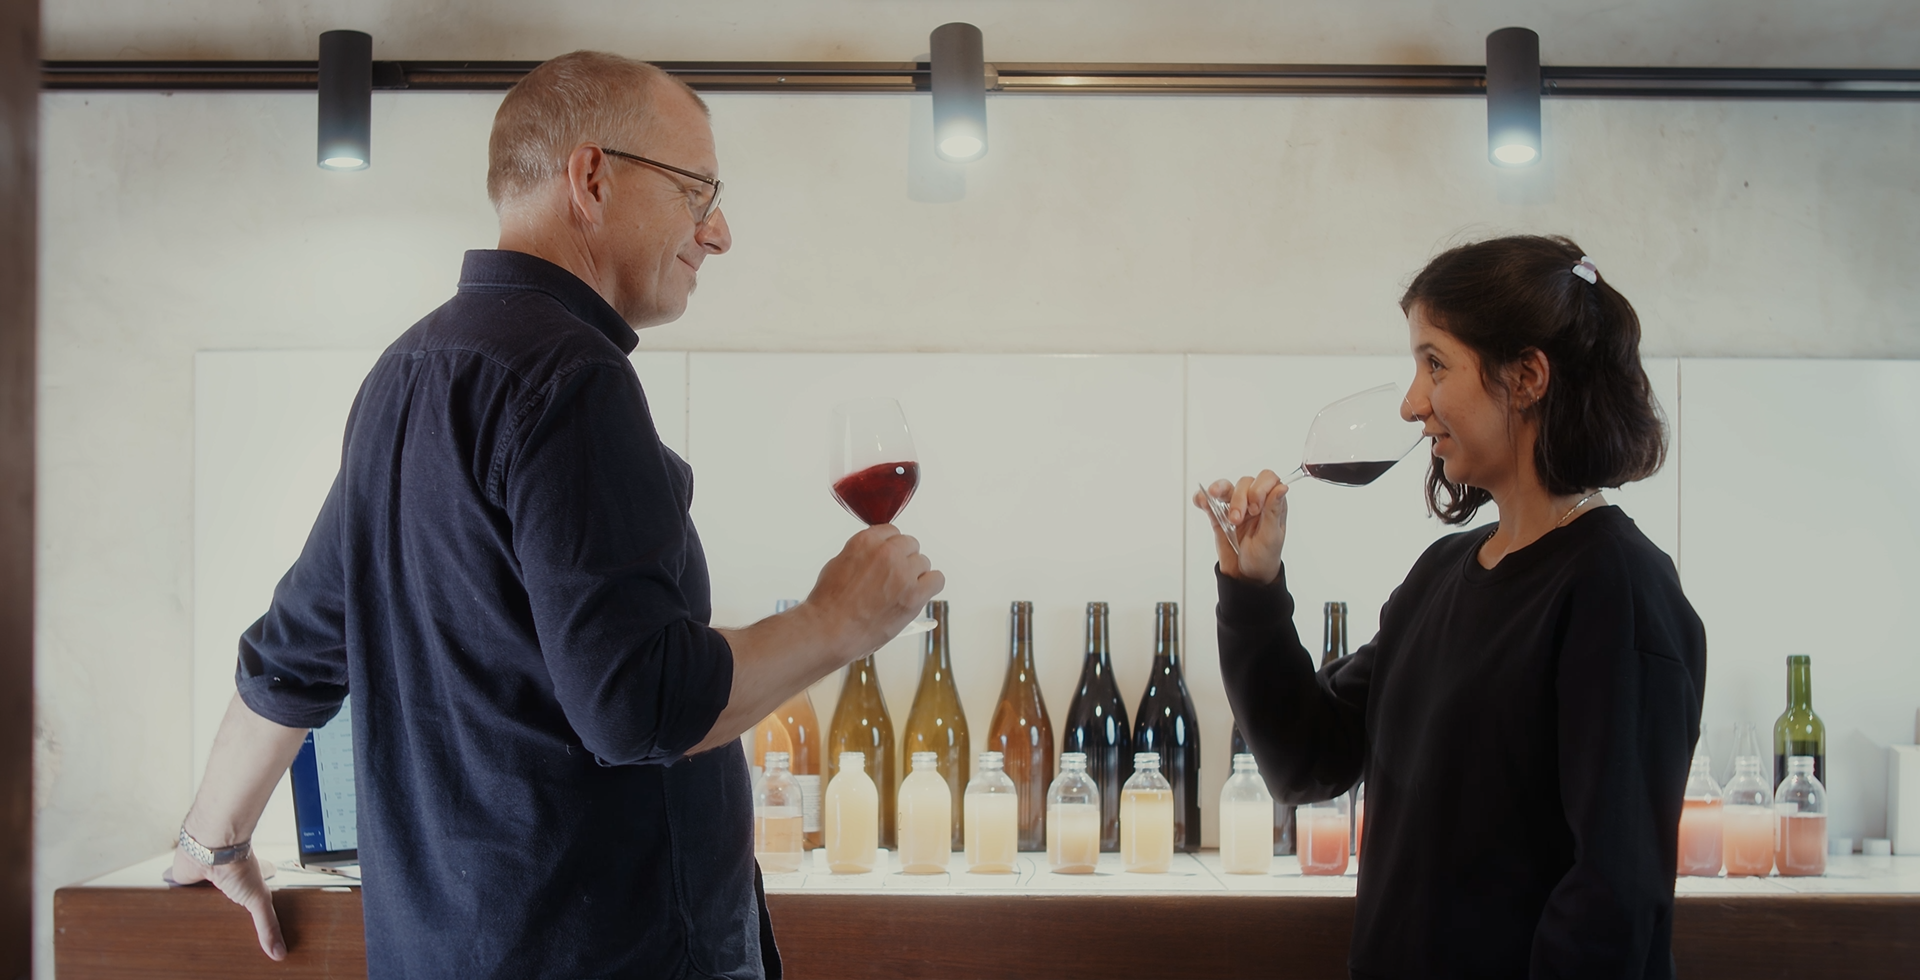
(1505, 297)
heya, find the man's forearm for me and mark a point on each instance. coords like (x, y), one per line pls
(773, 660)
(249, 755)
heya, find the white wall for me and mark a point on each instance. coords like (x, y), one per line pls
(173, 224)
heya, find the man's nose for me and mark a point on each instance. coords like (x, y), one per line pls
(713, 234)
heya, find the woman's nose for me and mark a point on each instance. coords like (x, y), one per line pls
(1408, 410)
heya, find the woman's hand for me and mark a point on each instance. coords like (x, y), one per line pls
(1257, 506)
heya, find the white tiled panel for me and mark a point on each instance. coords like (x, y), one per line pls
(267, 428)
(1054, 479)
(1802, 536)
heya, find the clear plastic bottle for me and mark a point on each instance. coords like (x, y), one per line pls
(1246, 820)
(1746, 812)
(1321, 831)
(926, 818)
(1700, 818)
(992, 817)
(1359, 815)
(778, 810)
(1146, 817)
(1800, 841)
(1073, 818)
(852, 816)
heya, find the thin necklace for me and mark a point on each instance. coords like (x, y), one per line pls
(1582, 502)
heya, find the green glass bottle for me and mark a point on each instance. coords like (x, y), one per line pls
(1799, 731)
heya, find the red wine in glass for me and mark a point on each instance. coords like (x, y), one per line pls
(878, 493)
(1349, 474)
(872, 468)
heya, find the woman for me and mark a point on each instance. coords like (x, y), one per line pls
(1525, 716)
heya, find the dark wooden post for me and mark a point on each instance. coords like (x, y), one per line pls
(19, 162)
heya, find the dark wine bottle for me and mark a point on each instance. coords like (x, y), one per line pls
(1021, 732)
(1799, 731)
(1166, 723)
(1097, 725)
(936, 722)
(1333, 644)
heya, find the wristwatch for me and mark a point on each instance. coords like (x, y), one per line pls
(212, 857)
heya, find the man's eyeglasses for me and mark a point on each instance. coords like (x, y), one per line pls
(702, 202)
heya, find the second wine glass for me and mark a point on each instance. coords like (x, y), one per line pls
(872, 469)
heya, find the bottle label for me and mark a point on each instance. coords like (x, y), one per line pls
(809, 803)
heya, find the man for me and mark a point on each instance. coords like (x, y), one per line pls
(506, 578)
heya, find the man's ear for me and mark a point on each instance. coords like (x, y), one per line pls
(588, 184)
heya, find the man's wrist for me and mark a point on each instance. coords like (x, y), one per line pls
(212, 855)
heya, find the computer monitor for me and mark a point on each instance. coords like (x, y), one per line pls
(323, 794)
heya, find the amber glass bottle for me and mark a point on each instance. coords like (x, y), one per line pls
(804, 736)
(1021, 732)
(1096, 724)
(936, 723)
(861, 724)
(1166, 723)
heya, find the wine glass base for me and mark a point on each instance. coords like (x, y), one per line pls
(918, 626)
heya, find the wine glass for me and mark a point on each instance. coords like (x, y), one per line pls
(872, 469)
(1352, 442)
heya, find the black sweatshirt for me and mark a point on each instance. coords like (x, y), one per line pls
(1524, 732)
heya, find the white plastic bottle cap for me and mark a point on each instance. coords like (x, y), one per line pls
(1877, 847)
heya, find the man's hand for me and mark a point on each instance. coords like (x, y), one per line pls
(243, 882)
(1257, 506)
(869, 591)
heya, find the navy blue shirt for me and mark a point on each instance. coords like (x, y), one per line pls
(506, 576)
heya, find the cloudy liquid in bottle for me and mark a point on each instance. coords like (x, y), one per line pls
(852, 817)
(926, 818)
(1146, 817)
(992, 818)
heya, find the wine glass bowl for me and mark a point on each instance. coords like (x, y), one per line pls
(1351, 443)
(872, 469)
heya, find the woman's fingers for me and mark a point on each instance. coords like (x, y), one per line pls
(1237, 507)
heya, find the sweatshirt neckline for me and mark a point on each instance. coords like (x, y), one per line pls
(1545, 548)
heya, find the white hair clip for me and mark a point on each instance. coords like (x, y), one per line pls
(1587, 270)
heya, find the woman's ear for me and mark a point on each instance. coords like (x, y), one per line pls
(1528, 378)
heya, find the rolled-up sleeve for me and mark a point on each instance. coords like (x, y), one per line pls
(601, 534)
(293, 660)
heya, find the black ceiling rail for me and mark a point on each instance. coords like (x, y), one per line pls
(1053, 78)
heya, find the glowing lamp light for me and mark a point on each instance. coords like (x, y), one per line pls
(1513, 96)
(346, 100)
(959, 76)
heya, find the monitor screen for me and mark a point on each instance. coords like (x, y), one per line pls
(323, 793)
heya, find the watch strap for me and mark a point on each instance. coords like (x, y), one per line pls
(214, 856)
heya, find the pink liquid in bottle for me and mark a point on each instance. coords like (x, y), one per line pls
(1700, 826)
(1802, 847)
(1747, 839)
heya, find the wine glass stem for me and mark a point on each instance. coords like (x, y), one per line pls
(1296, 476)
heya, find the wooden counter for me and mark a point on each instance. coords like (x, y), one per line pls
(1863, 920)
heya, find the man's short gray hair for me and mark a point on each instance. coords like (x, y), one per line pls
(583, 97)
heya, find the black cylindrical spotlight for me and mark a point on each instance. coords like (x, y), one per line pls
(959, 93)
(346, 100)
(1513, 96)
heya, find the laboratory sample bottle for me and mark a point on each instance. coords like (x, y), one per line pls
(1746, 812)
(851, 812)
(777, 814)
(926, 818)
(1700, 821)
(1800, 805)
(1246, 820)
(992, 817)
(1321, 830)
(1146, 817)
(1073, 818)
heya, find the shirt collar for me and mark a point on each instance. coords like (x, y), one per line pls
(501, 269)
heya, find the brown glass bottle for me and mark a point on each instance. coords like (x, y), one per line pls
(861, 724)
(803, 729)
(936, 723)
(1021, 732)
(1096, 724)
(1166, 723)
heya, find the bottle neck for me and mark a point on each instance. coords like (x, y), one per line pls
(1098, 647)
(1800, 684)
(1333, 644)
(934, 655)
(1166, 636)
(1020, 639)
